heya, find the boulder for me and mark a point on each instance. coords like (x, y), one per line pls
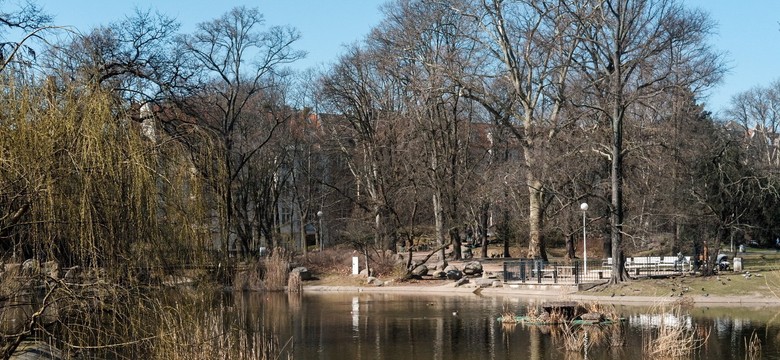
(36, 350)
(473, 268)
(303, 272)
(461, 282)
(454, 274)
(483, 283)
(12, 268)
(52, 269)
(439, 274)
(420, 270)
(450, 268)
(374, 281)
(31, 266)
(15, 311)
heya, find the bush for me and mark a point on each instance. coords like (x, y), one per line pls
(329, 261)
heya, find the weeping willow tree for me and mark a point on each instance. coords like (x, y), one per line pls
(82, 184)
(86, 187)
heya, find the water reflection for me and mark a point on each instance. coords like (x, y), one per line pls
(388, 326)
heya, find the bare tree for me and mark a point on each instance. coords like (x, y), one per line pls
(731, 194)
(425, 50)
(357, 90)
(28, 18)
(134, 57)
(530, 45)
(240, 67)
(632, 50)
(757, 113)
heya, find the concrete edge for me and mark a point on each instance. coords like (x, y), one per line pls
(569, 293)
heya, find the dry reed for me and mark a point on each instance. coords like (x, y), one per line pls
(508, 317)
(608, 311)
(672, 339)
(215, 336)
(753, 347)
(277, 268)
(573, 340)
(533, 315)
(294, 282)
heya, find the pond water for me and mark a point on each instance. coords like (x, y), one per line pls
(393, 326)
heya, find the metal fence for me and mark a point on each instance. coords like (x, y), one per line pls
(598, 270)
(541, 272)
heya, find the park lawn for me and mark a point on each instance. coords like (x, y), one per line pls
(760, 277)
(758, 283)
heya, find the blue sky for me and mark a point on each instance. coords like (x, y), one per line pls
(748, 29)
(325, 25)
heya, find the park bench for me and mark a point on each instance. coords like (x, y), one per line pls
(653, 264)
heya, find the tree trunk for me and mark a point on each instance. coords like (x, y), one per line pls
(618, 265)
(455, 230)
(535, 219)
(378, 241)
(456, 242)
(228, 224)
(505, 233)
(483, 228)
(438, 213)
(570, 249)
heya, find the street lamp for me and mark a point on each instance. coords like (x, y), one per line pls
(319, 228)
(584, 208)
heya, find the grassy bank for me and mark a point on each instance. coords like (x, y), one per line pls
(759, 284)
(760, 278)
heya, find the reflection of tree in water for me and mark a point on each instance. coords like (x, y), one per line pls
(242, 326)
(535, 347)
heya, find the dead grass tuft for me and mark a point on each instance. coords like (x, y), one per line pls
(185, 335)
(672, 339)
(753, 347)
(277, 266)
(333, 261)
(508, 317)
(573, 339)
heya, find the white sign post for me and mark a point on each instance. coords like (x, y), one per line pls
(355, 265)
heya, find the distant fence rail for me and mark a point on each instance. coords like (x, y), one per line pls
(532, 271)
(542, 272)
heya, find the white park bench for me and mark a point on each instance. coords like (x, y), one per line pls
(654, 264)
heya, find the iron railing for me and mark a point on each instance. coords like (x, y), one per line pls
(598, 270)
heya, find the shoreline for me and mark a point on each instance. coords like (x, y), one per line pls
(568, 293)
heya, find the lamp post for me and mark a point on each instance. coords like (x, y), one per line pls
(319, 228)
(584, 208)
